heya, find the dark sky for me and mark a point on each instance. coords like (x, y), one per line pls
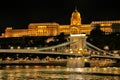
(19, 13)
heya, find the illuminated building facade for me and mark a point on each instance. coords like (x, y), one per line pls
(53, 29)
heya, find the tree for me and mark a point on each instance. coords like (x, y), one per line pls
(96, 36)
(61, 38)
(96, 31)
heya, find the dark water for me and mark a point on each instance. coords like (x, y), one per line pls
(58, 73)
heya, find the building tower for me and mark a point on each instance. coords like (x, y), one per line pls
(76, 18)
(75, 22)
(77, 40)
(78, 43)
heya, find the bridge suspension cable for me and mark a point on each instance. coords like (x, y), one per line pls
(56, 46)
(96, 49)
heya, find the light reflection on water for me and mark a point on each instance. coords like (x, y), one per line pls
(56, 73)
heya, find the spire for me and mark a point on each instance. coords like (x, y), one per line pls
(76, 8)
(76, 4)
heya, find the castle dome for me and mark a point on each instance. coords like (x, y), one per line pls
(75, 18)
(76, 14)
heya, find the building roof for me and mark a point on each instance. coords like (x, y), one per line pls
(102, 22)
(52, 23)
(76, 14)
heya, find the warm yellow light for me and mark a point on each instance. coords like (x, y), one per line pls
(18, 47)
(71, 58)
(41, 26)
(71, 51)
(79, 52)
(80, 49)
(75, 40)
(85, 60)
(28, 48)
(106, 24)
(9, 28)
(77, 35)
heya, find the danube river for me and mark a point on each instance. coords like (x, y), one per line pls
(58, 73)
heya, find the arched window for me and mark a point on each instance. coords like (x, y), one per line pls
(74, 30)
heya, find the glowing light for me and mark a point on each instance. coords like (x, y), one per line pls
(71, 51)
(27, 67)
(11, 47)
(18, 47)
(79, 52)
(50, 40)
(71, 58)
(77, 35)
(106, 47)
(35, 48)
(28, 48)
(41, 26)
(106, 24)
(85, 60)
(80, 49)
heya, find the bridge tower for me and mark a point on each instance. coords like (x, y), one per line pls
(78, 43)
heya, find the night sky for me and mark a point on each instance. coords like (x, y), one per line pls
(19, 13)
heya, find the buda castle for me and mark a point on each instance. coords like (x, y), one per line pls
(53, 29)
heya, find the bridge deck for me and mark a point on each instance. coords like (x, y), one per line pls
(43, 63)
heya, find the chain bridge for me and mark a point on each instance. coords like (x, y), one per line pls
(77, 46)
(64, 49)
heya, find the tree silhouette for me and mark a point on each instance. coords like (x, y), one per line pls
(96, 31)
(96, 36)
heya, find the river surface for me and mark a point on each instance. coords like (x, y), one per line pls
(58, 73)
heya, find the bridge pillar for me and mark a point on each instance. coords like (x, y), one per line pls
(77, 43)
